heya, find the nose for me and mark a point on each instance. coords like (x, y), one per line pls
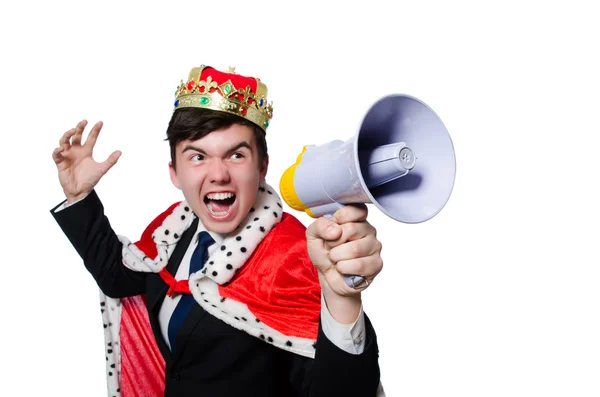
(218, 172)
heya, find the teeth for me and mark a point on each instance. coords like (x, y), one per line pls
(219, 196)
(210, 209)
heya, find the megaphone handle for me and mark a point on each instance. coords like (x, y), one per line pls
(351, 280)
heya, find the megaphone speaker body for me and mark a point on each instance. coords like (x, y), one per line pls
(401, 160)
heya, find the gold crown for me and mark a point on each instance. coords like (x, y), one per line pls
(209, 88)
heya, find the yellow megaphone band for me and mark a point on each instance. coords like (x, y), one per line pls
(288, 192)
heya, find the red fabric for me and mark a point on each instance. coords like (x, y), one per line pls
(239, 81)
(146, 243)
(175, 286)
(279, 283)
(142, 365)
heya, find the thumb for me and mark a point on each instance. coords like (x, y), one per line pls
(323, 229)
(110, 161)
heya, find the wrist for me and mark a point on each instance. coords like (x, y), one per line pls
(75, 198)
(343, 308)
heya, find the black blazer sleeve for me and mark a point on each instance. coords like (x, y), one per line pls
(89, 230)
(334, 372)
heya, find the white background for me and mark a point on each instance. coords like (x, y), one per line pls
(498, 295)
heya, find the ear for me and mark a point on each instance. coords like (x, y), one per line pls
(263, 169)
(173, 175)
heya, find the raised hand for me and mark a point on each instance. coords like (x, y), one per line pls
(78, 172)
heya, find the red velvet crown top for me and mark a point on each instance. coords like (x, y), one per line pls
(209, 88)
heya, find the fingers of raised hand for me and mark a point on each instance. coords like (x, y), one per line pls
(65, 140)
(78, 132)
(57, 154)
(93, 136)
(64, 144)
(75, 135)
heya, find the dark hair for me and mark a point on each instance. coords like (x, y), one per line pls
(195, 123)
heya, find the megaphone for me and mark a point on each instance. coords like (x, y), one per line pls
(401, 160)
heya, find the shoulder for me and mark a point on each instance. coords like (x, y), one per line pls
(285, 243)
(146, 242)
(289, 232)
(281, 264)
(289, 226)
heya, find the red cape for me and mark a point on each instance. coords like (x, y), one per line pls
(278, 284)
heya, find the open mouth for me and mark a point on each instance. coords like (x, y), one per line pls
(219, 204)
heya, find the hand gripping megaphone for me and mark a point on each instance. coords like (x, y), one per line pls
(401, 160)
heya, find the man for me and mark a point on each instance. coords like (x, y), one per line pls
(240, 298)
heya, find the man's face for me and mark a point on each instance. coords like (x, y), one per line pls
(219, 176)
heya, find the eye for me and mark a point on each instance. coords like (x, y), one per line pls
(237, 155)
(197, 157)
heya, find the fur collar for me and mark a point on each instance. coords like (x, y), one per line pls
(233, 252)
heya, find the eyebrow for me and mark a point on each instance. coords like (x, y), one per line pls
(232, 149)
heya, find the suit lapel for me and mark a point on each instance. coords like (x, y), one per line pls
(193, 317)
(157, 288)
(184, 334)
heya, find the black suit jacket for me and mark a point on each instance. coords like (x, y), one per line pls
(212, 358)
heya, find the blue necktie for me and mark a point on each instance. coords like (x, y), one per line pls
(186, 302)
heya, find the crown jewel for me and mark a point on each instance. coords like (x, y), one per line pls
(228, 92)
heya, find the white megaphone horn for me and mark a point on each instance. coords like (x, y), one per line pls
(401, 160)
